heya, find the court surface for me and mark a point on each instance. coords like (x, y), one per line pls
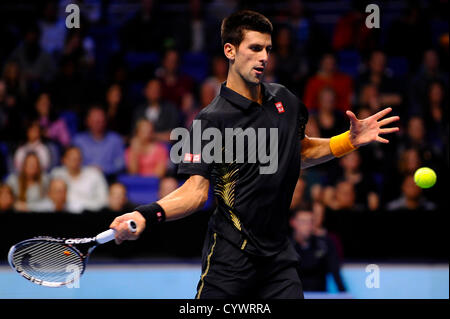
(179, 281)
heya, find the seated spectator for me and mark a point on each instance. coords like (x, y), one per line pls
(341, 197)
(189, 106)
(7, 198)
(331, 121)
(87, 188)
(411, 198)
(351, 32)
(29, 184)
(219, 71)
(429, 72)
(318, 254)
(318, 210)
(100, 147)
(117, 113)
(166, 186)
(163, 114)
(364, 185)
(33, 144)
(379, 75)
(416, 138)
(10, 115)
(328, 75)
(53, 127)
(118, 199)
(145, 156)
(436, 113)
(36, 65)
(56, 200)
(173, 84)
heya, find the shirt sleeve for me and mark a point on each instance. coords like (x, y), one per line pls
(192, 159)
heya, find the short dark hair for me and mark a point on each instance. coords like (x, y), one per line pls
(233, 26)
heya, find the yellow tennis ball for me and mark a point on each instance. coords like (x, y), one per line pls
(425, 177)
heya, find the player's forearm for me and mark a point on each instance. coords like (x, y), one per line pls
(315, 151)
(183, 201)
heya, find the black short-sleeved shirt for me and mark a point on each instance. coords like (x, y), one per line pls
(252, 210)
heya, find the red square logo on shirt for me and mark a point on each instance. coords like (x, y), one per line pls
(188, 157)
(279, 107)
(196, 158)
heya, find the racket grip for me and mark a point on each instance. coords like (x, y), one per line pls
(109, 234)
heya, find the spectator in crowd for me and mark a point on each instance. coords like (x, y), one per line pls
(411, 198)
(162, 113)
(319, 210)
(428, 73)
(53, 28)
(307, 36)
(118, 199)
(101, 148)
(364, 186)
(29, 184)
(167, 185)
(16, 84)
(416, 138)
(145, 31)
(10, 111)
(87, 188)
(36, 65)
(53, 127)
(329, 76)
(219, 71)
(318, 254)
(341, 197)
(33, 144)
(410, 34)
(56, 199)
(145, 156)
(118, 115)
(379, 75)
(270, 70)
(7, 198)
(291, 62)
(174, 84)
(192, 31)
(189, 107)
(331, 121)
(436, 115)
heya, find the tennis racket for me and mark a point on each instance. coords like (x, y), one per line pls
(55, 262)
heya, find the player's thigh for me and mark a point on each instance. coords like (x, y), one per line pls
(227, 272)
(284, 284)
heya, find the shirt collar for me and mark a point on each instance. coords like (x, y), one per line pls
(241, 101)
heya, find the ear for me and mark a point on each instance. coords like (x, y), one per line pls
(230, 51)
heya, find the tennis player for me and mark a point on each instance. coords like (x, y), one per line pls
(247, 251)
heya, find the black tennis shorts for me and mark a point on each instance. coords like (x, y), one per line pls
(229, 272)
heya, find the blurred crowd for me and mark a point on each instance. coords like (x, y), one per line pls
(80, 107)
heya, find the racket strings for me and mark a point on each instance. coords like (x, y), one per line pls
(49, 261)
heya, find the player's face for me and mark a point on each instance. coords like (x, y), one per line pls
(252, 55)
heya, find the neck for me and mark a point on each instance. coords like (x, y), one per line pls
(237, 84)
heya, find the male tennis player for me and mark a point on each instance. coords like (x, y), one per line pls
(247, 251)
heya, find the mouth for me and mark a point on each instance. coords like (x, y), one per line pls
(259, 70)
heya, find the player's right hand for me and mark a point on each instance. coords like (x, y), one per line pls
(121, 226)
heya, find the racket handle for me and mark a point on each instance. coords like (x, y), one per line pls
(109, 234)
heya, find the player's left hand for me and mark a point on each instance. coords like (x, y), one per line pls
(368, 130)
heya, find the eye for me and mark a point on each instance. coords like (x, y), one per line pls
(269, 49)
(256, 48)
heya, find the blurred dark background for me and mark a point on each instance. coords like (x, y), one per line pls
(85, 116)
